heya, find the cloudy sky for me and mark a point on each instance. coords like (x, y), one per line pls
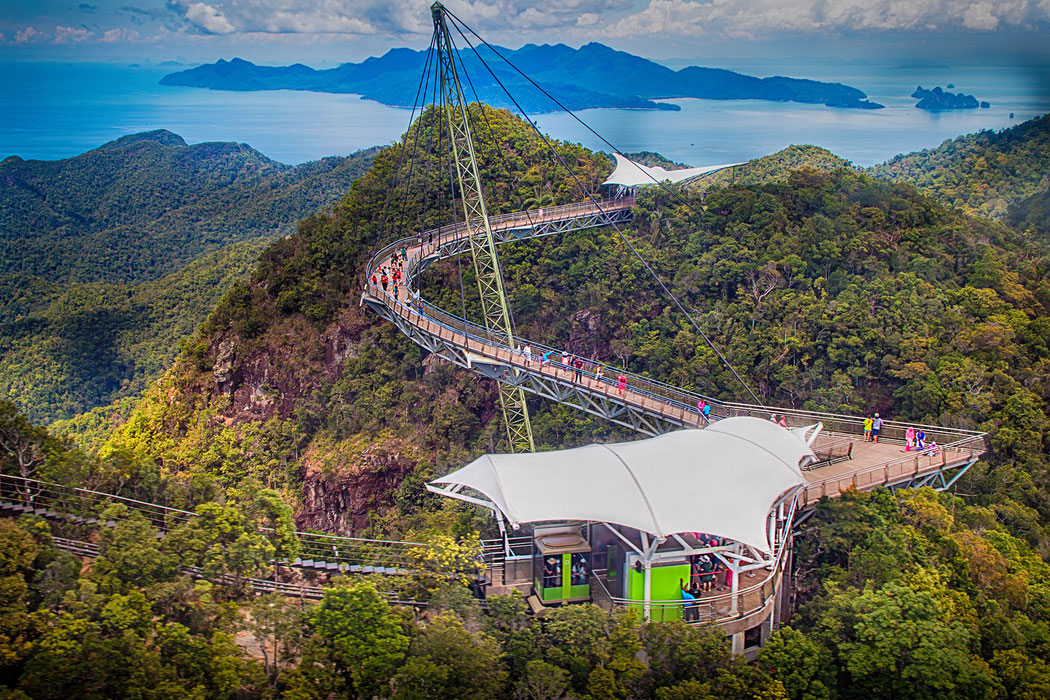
(331, 31)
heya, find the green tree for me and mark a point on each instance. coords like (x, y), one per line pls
(447, 661)
(277, 623)
(365, 636)
(895, 642)
(130, 551)
(222, 541)
(18, 549)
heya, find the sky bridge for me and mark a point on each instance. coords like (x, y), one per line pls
(751, 601)
(588, 541)
(611, 524)
(649, 406)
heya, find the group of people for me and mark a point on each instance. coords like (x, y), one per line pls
(872, 428)
(579, 571)
(385, 277)
(575, 364)
(703, 572)
(782, 421)
(914, 438)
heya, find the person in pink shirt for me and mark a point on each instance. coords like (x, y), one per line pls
(621, 383)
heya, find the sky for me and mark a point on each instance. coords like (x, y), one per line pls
(326, 32)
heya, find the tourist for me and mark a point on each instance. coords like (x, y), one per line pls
(395, 292)
(700, 407)
(546, 359)
(920, 439)
(876, 427)
(551, 571)
(565, 357)
(374, 281)
(621, 383)
(528, 355)
(909, 439)
(772, 418)
(578, 366)
(783, 422)
(707, 412)
(867, 429)
(385, 281)
(707, 568)
(688, 602)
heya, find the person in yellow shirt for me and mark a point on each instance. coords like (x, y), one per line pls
(867, 429)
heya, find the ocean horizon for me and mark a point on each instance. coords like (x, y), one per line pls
(58, 110)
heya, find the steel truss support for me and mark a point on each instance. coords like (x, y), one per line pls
(578, 396)
(940, 480)
(495, 311)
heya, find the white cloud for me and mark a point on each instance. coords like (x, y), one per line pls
(121, 34)
(208, 18)
(29, 35)
(755, 18)
(385, 17)
(71, 35)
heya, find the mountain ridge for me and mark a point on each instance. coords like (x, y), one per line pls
(591, 76)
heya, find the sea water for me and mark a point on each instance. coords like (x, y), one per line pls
(56, 110)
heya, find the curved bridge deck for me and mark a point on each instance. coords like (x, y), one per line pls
(644, 404)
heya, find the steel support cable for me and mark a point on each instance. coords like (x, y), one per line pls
(584, 190)
(429, 152)
(499, 152)
(455, 214)
(568, 111)
(401, 155)
(413, 130)
(488, 125)
(453, 55)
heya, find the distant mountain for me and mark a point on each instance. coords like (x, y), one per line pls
(110, 258)
(592, 76)
(938, 100)
(147, 204)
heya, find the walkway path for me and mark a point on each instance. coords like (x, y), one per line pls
(646, 405)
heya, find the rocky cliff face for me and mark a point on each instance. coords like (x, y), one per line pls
(343, 483)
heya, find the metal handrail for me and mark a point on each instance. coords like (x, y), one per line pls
(646, 386)
(835, 424)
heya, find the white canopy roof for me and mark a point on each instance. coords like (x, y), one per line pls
(722, 480)
(631, 174)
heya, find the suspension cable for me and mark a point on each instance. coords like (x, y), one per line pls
(401, 155)
(458, 21)
(584, 190)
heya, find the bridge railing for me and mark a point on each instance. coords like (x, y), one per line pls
(719, 607)
(681, 404)
(257, 585)
(896, 470)
(686, 401)
(82, 505)
(533, 217)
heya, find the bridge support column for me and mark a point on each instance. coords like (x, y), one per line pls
(737, 643)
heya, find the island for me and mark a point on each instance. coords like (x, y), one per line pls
(938, 99)
(591, 76)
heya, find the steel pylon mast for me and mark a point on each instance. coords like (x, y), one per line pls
(494, 308)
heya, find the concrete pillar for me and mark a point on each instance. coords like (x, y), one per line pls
(738, 643)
